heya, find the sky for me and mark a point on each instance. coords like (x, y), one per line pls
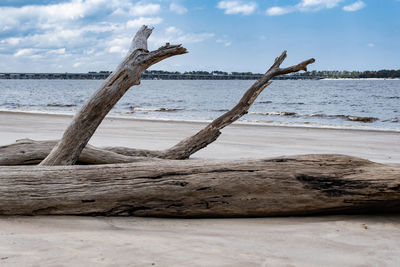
(94, 35)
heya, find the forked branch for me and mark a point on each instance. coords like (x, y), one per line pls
(89, 117)
(211, 132)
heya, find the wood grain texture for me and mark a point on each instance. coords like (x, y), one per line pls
(91, 114)
(297, 185)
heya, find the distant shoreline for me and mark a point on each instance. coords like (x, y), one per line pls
(147, 76)
(193, 78)
(360, 79)
(199, 75)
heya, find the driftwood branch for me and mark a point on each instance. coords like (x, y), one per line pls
(30, 152)
(211, 132)
(182, 150)
(89, 117)
(298, 185)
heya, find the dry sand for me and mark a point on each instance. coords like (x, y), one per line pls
(293, 241)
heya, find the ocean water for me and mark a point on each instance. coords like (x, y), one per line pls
(357, 104)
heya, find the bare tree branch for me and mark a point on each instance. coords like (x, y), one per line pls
(89, 117)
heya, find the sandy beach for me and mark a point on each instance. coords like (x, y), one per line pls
(293, 241)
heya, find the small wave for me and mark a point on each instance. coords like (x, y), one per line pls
(394, 97)
(357, 118)
(61, 105)
(293, 103)
(265, 102)
(293, 114)
(135, 108)
(220, 110)
(394, 120)
(346, 117)
(274, 113)
(11, 104)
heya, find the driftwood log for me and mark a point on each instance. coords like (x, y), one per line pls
(160, 183)
(311, 184)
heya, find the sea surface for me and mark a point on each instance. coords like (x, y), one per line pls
(356, 104)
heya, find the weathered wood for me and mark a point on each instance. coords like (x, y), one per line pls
(295, 185)
(29, 152)
(89, 117)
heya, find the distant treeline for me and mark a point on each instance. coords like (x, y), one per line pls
(205, 75)
(353, 74)
(315, 74)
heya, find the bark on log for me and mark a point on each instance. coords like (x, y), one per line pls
(298, 185)
(89, 117)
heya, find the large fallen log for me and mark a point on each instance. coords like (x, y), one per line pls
(298, 185)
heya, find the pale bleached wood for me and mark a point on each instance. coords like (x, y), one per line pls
(89, 117)
(298, 185)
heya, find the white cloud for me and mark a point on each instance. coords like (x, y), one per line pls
(36, 53)
(24, 52)
(126, 8)
(178, 9)
(73, 10)
(143, 21)
(66, 13)
(371, 45)
(237, 7)
(355, 6)
(191, 38)
(143, 10)
(176, 35)
(303, 6)
(73, 37)
(96, 32)
(53, 38)
(173, 30)
(117, 49)
(11, 40)
(59, 51)
(224, 42)
(277, 10)
(318, 4)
